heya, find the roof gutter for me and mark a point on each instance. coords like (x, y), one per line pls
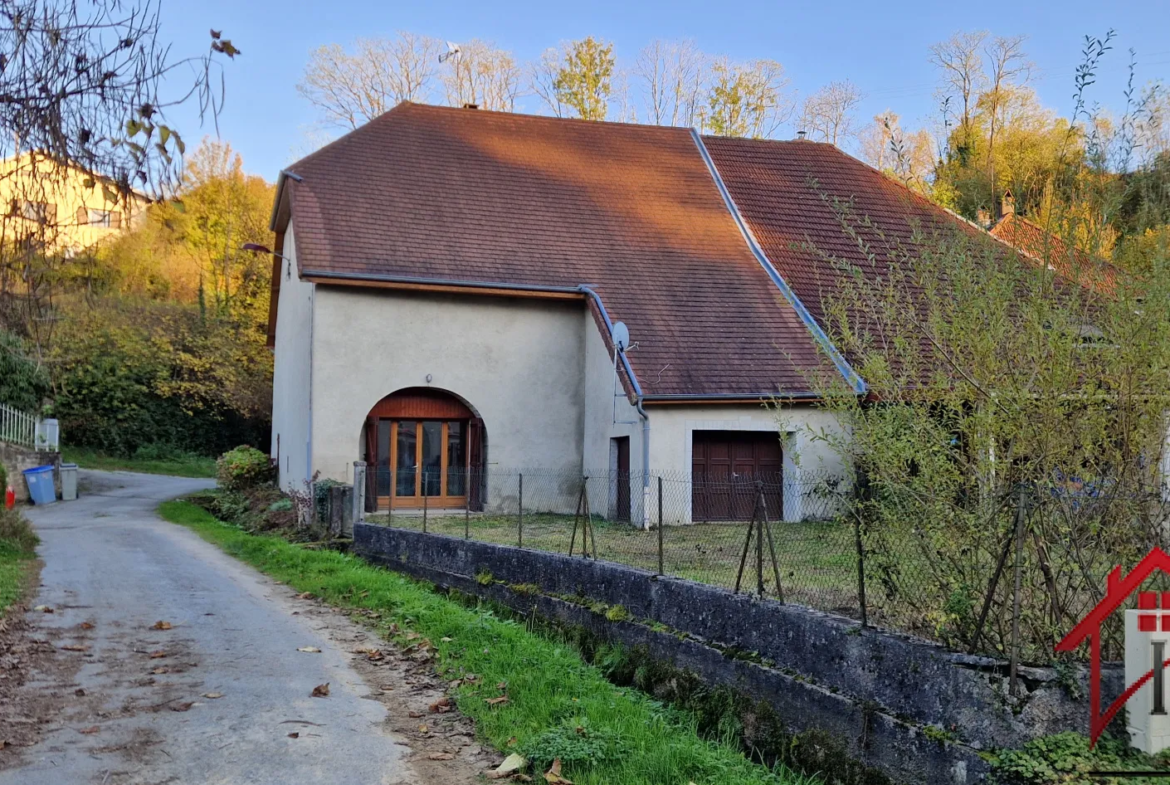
(280, 180)
(583, 290)
(839, 362)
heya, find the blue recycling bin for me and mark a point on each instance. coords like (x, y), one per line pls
(40, 485)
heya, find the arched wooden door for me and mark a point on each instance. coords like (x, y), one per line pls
(424, 448)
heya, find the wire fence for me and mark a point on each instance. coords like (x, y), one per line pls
(1005, 575)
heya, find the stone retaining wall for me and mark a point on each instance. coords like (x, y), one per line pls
(907, 707)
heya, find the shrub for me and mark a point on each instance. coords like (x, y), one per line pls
(3, 479)
(243, 468)
(15, 532)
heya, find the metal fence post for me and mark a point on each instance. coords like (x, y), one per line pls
(1015, 653)
(467, 517)
(426, 502)
(860, 569)
(660, 569)
(359, 491)
(520, 517)
(759, 541)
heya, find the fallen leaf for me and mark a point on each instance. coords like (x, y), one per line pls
(502, 685)
(305, 595)
(554, 774)
(414, 715)
(213, 695)
(387, 688)
(512, 764)
(89, 730)
(321, 690)
(446, 639)
(374, 655)
(309, 649)
(496, 701)
(511, 742)
(441, 706)
(440, 756)
(85, 625)
(294, 735)
(44, 609)
(158, 671)
(182, 706)
(423, 729)
(75, 647)
(157, 655)
(411, 636)
(161, 625)
(79, 692)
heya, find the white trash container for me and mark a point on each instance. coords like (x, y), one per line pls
(68, 482)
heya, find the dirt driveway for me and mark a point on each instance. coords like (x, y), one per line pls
(223, 692)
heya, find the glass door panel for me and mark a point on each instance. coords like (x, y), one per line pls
(406, 469)
(382, 459)
(432, 458)
(456, 459)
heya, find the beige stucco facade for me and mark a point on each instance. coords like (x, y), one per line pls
(536, 371)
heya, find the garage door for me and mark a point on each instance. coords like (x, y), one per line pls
(725, 467)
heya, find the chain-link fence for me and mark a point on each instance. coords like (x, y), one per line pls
(786, 536)
(1005, 575)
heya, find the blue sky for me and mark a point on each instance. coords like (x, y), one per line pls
(881, 47)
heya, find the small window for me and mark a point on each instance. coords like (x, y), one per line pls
(41, 212)
(102, 218)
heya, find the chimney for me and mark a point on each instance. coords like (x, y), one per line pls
(801, 135)
(471, 106)
(983, 217)
(1008, 205)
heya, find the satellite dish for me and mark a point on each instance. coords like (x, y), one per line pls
(621, 336)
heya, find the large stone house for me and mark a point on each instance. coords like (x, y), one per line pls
(446, 286)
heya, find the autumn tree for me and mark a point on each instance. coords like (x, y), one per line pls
(673, 76)
(829, 115)
(89, 87)
(353, 87)
(746, 99)
(578, 77)
(482, 75)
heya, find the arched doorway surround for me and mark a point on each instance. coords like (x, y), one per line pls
(424, 447)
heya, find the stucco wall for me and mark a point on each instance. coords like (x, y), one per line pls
(291, 384)
(608, 414)
(517, 362)
(805, 457)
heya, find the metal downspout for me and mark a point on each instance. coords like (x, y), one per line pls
(639, 396)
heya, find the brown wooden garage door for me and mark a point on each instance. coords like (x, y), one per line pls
(725, 468)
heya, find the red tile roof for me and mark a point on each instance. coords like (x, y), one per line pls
(794, 194)
(1048, 249)
(469, 195)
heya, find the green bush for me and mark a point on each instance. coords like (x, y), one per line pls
(1065, 758)
(15, 532)
(3, 479)
(243, 468)
(23, 382)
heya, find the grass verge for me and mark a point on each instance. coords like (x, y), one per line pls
(557, 706)
(17, 557)
(177, 465)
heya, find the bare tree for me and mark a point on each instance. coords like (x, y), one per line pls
(84, 86)
(673, 74)
(482, 75)
(875, 140)
(960, 61)
(746, 99)
(354, 88)
(543, 78)
(1008, 67)
(829, 113)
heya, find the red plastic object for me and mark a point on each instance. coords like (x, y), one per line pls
(10, 498)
